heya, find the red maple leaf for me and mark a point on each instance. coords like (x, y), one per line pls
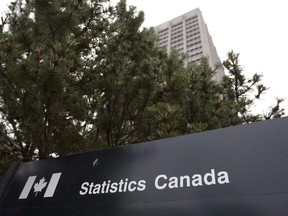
(38, 187)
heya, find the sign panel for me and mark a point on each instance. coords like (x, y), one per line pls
(241, 170)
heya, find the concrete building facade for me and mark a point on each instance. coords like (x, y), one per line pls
(189, 34)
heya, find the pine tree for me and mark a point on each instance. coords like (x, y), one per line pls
(43, 57)
(126, 79)
(246, 91)
(75, 75)
(82, 75)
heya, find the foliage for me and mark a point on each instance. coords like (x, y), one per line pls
(82, 75)
(246, 91)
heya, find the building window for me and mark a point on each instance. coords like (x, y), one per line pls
(191, 18)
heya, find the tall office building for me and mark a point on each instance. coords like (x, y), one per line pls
(188, 33)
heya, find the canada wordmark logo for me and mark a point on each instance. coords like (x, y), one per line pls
(40, 185)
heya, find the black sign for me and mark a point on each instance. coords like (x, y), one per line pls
(241, 170)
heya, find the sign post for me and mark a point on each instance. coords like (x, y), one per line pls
(240, 170)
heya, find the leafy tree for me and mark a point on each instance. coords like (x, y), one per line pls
(82, 75)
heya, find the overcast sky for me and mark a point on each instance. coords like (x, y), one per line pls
(257, 29)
